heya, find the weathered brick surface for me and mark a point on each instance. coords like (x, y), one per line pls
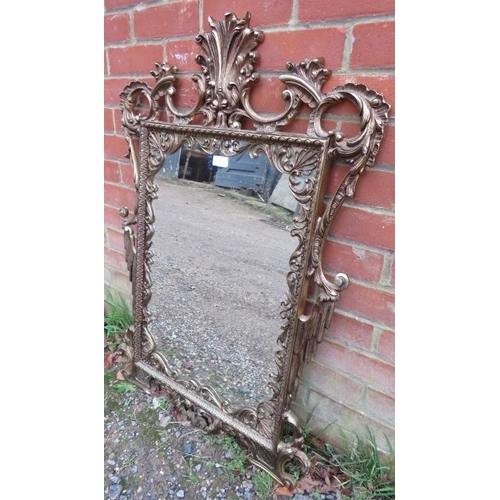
(332, 10)
(119, 196)
(136, 59)
(380, 405)
(117, 4)
(111, 171)
(296, 46)
(115, 239)
(263, 12)
(109, 125)
(386, 345)
(375, 188)
(356, 262)
(112, 217)
(115, 146)
(328, 382)
(127, 174)
(375, 372)
(370, 303)
(370, 228)
(116, 28)
(352, 332)
(170, 19)
(373, 45)
(182, 53)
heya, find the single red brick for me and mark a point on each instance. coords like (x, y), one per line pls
(111, 171)
(363, 226)
(162, 21)
(374, 372)
(327, 10)
(386, 345)
(356, 262)
(115, 146)
(380, 406)
(350, 331)
(182, 53)
(116, 28)
(119, 196)
(373, 45)
(264, 13)
(109, 124)
(135, 59)
(369, 303)
(298, 45)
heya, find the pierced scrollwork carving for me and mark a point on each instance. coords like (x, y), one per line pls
(154, 128)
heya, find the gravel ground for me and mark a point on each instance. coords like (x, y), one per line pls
(148, 453)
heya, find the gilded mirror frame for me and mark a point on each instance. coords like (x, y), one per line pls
(154, 127)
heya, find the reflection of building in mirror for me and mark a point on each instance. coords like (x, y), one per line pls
(252, 176)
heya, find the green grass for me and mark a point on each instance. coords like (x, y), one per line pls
(117, 319)
(238, 461)
(361, 469)
(263, 483)
(371, 477)
(368, 475)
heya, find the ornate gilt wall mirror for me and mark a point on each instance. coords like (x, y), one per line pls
(184, 162)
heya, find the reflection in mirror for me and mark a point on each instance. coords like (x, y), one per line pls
(221, 251)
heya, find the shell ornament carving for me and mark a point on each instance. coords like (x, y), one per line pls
(154, 127)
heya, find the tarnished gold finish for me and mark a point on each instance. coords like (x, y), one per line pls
(154, 127)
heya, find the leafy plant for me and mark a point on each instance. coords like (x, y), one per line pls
(237, 461)
(123, 387)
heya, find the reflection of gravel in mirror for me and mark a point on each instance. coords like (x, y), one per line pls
(219, 277)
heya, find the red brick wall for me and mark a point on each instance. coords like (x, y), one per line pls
(350, 382)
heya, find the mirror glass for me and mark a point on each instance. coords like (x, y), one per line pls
(221, 247)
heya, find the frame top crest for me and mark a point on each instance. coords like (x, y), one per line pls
(227, 59)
